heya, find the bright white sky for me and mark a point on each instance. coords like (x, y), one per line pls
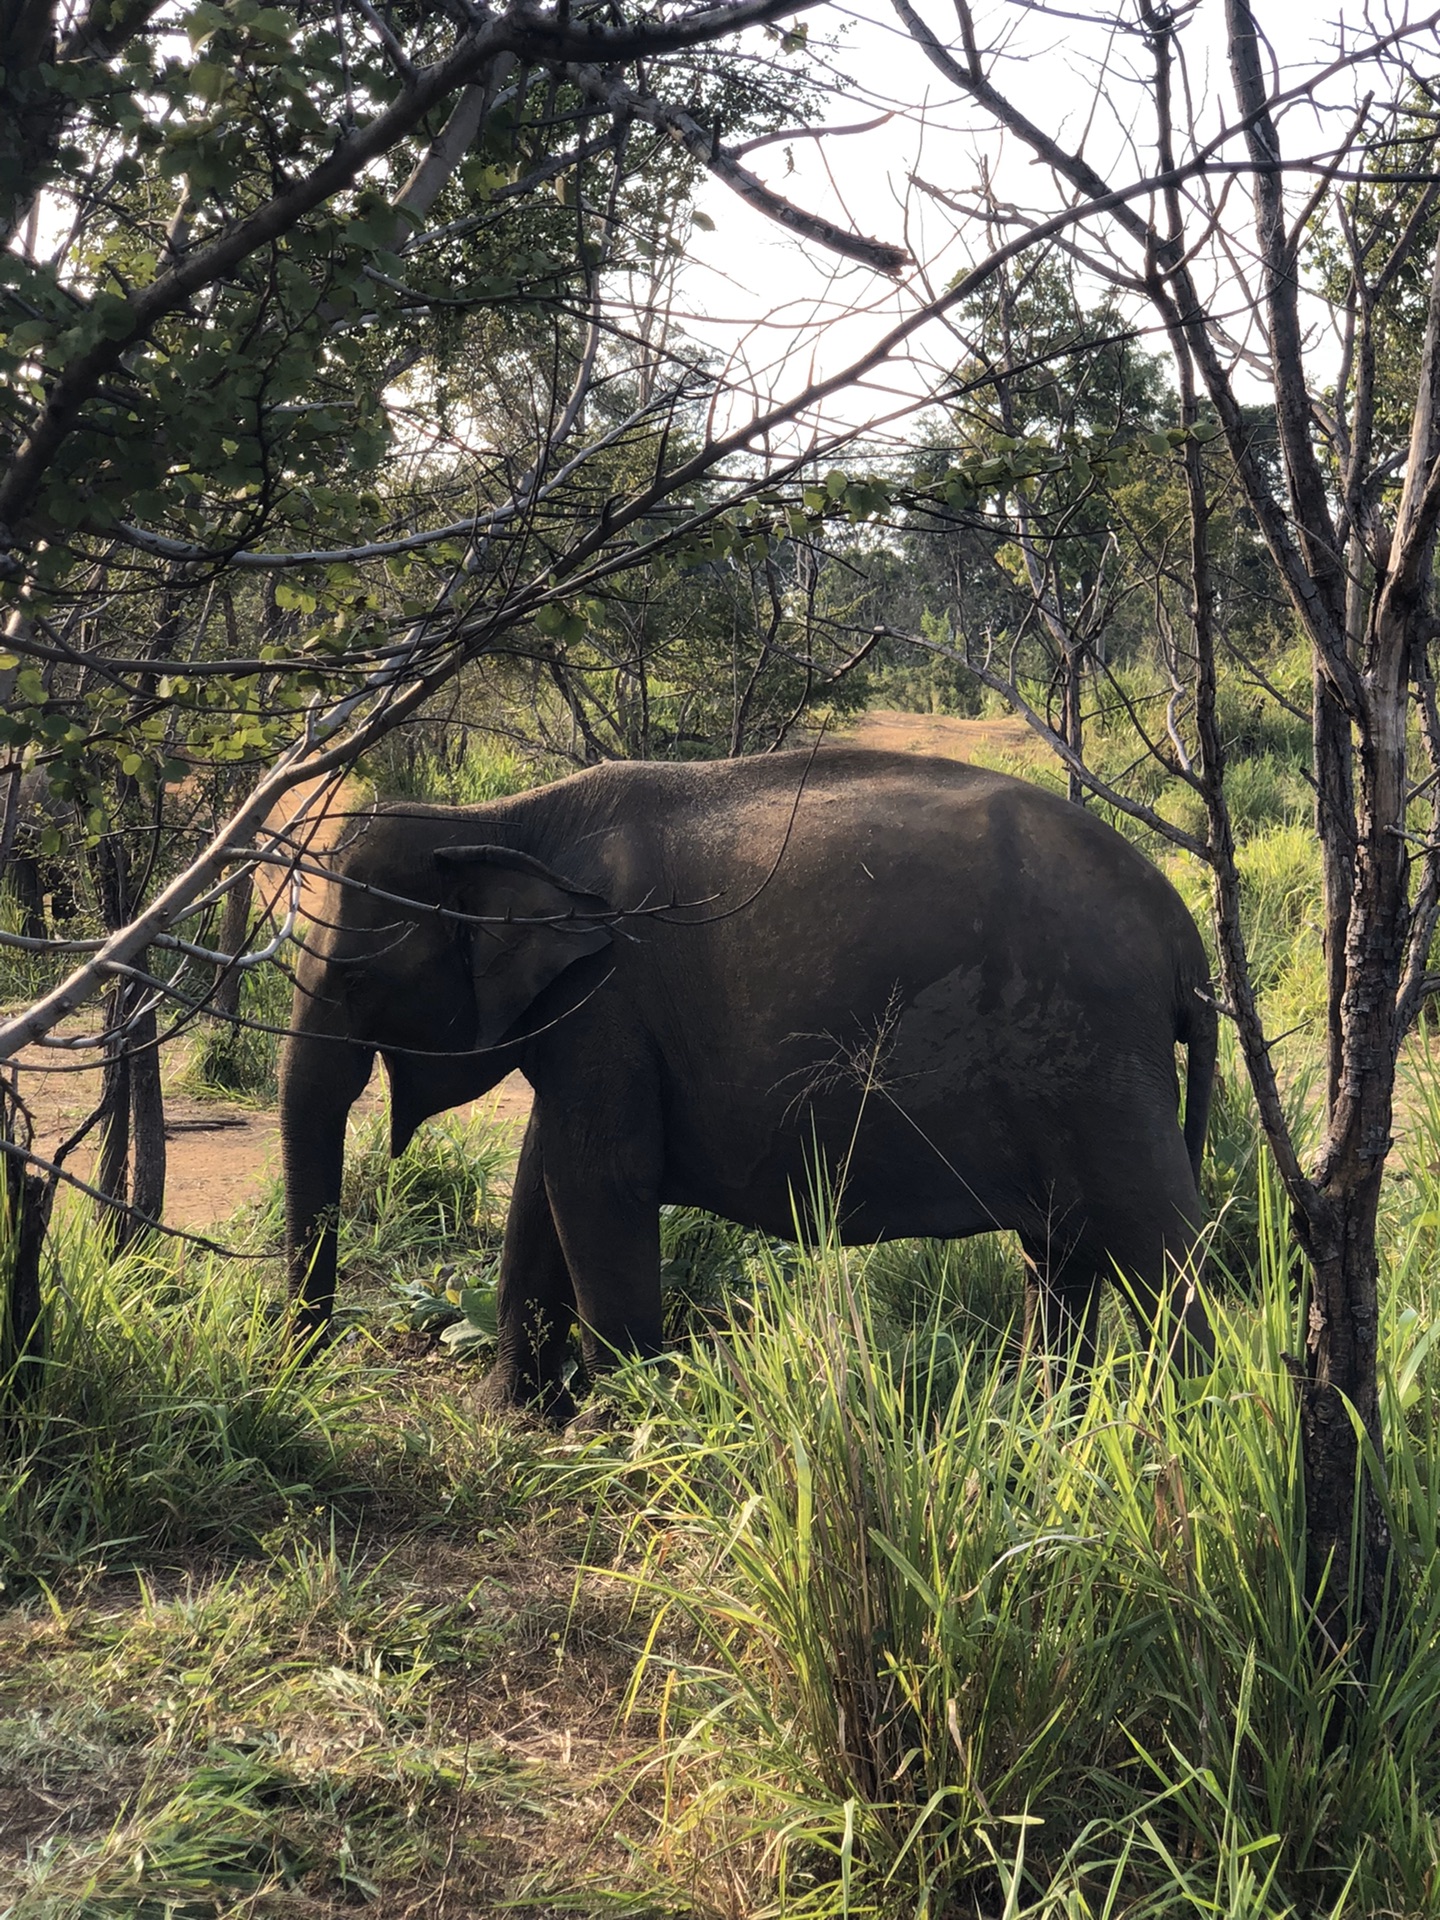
(781, 310)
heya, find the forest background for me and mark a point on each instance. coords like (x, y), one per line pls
(354, 436)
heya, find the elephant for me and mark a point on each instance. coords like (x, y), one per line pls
(961, 992)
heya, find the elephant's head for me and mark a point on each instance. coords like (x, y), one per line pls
(441, 956)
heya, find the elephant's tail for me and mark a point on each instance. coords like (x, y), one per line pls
(1199, 1028)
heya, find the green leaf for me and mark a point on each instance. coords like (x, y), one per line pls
(464, 1333)
(29, 333)
(271, 25)
(555, 618)
(115, 316)
(203, 21)
(481, 1309)
(209, 80)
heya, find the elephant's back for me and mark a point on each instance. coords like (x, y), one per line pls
(832, 867)
(808, 879)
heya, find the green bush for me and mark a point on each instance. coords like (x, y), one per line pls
(171, 1411)
(241, 1060)
(459, 773)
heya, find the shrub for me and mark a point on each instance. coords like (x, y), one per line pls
(462, 772)
(231, 1060)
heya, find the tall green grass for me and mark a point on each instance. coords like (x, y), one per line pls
(25, 976)
(460, 772)
(965, 1648)
(170, 1412)
(174, 1412)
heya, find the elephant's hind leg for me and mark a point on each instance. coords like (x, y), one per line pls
(536, 1300)
(1161, 1285)
(1062, 1301)
(1143, 1233)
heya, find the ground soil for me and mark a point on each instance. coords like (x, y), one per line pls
(946, 734)
(220, 1153)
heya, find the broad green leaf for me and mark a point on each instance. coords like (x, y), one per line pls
(203, 21)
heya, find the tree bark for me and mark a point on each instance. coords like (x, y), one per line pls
(1074, 723)
(112, 1168)
(112, 1171)
(27, 1199)
(1347, 1541)
(234, 928)
(147, 1124)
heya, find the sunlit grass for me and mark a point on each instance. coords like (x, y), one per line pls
(967, 1643)
(465, 773)
(274, 1737)
(25, 976)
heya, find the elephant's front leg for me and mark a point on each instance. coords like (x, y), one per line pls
(535, 1301)
(602, 1173)
(611, 1239)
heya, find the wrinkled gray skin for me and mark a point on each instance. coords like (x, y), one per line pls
(965, 992)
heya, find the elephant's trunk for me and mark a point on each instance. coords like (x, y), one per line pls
(321, 1076)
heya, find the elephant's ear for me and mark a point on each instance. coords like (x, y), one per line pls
(531, 924)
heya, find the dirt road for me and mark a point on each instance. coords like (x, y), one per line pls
(946, 735)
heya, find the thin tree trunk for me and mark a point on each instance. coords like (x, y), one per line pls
(10, 816)
(147, 1116)
(27, 1199)
(1074, 723)
(112, 1172)
(1347, 1542)
(112, 1169)
(1334, 826)
(1340, 1390)
(234, 927)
